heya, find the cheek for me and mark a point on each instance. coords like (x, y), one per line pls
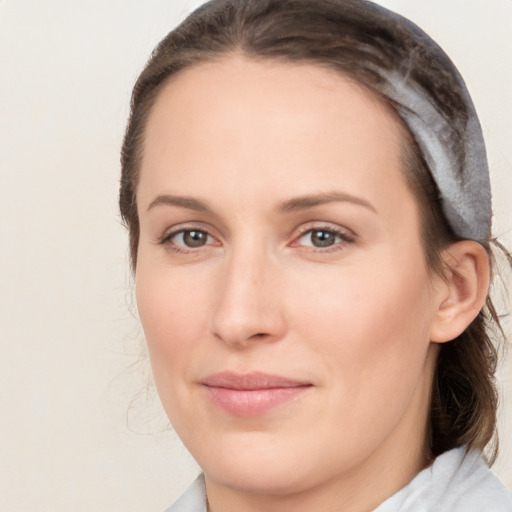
(173, 313)
(371, 336)
(369, 325)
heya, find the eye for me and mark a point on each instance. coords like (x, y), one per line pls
(191, 238)
(187, 239)
(320, 238)
(324, 238)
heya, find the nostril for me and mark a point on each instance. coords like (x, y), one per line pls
(258, 336)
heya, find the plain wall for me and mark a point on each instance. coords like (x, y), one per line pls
(79, 428)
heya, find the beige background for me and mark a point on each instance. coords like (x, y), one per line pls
(70, 436)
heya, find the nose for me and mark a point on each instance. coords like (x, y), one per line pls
(249, 306)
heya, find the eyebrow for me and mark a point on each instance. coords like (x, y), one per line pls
(189, 203)
(310, 201)
(289, 206)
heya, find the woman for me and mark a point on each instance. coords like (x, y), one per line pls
(306, 190)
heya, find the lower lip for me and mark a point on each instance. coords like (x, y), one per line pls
(254, 402)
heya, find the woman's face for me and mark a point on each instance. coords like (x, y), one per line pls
(281, 280)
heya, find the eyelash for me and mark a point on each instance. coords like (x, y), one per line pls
(166, 240)
(345, 237)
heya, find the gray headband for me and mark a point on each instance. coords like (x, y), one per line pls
(457, 159)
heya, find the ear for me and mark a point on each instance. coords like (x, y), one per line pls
(461, 292)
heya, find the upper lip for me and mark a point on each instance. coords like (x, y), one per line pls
(250, 381)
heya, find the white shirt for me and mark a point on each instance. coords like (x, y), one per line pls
(456, 482)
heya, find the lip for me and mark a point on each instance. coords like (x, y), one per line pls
(251, 394)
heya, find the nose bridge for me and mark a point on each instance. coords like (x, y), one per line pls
(247, 306)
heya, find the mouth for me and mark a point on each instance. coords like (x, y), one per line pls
(251, 394)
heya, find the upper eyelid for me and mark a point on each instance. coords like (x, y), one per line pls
(326, 226)
(174, 233)
(189, 226)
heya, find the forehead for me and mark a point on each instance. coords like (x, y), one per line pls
(236, 84)
(247, 123)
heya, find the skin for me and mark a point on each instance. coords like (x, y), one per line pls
(355, 320)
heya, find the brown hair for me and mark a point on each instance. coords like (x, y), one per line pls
(352, 37)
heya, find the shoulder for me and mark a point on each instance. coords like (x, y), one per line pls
(457, 481)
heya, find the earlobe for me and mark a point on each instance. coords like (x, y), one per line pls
(463, 289)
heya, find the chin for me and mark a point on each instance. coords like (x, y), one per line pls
(261, 464)
(256, 477)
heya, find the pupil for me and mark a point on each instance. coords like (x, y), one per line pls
(322, 238)
(194, 238)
